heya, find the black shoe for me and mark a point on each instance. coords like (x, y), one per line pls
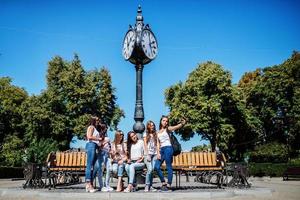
(164, 188)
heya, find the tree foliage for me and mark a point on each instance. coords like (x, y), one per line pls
(48, 121)
(272, 95)
(200, 148)
(209, 102)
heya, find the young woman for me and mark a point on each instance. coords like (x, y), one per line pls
(119, 157)
(165, 150)
(135, 158)
(93, 137)
(103, 156)
(150, 144)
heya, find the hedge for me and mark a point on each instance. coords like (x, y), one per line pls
(11, 172)
(269, 169)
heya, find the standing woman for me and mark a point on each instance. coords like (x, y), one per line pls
(93, 137)
(119, 157)
(103, 155)
(150, 146)
(165, 150)
(135, 160)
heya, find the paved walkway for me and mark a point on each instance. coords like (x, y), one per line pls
(263, 188)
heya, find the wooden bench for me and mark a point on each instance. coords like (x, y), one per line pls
(205, 164)
(291, 172)
(65, 167)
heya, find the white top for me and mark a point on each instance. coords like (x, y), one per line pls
(164, 139)
(95, 134)
(151, 145)
(107, 145)
(137, 150)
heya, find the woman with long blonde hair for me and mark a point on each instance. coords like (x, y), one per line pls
(150, 146)
(119, 157)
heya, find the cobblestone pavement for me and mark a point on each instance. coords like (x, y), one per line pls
(262, 188)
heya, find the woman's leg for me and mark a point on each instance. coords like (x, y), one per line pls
(90, 151)
(132, 168)
(120, 169)
(98, 168)
(115, 168)
(108, 168)
(149, 171)
(157, 166)
(169, 160)
(153, 160)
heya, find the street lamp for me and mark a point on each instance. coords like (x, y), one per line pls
(140, 48)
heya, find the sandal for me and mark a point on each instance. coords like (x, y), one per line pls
(128, 189)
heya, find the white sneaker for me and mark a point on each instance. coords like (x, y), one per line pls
(110, 188)
(152, 189)
(104, 189)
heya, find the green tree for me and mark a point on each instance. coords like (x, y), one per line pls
(72, 96)
(274, 89)
(12, 151)
(207, 100)
(11, 129)
(203, 147)
(38, 150)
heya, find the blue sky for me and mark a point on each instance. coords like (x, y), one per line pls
(240, 35)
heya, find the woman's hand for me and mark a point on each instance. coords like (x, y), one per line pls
(148, 158)
(158, 156)
(140, 160)
(183, 122)
(120, 162)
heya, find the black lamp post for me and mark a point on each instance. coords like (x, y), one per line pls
(140, 48)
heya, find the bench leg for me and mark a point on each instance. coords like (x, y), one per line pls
(187, 176)
(179, 177)
(176, 174)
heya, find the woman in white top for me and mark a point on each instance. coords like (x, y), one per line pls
(135, 160)
(150, 146)
(165, 150)
(93, 137)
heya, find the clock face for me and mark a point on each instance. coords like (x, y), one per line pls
(149, 44)
(128, 44)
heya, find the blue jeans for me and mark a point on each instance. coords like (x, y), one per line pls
(166, 154)
(130, 169)
(150, 166)
(90, 148)
(118, 169)
(102, 157)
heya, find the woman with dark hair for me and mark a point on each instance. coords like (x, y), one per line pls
(165, 150)
(119, 157)
(135, 160)
(103, 157)
(150, 144)
(94, 138)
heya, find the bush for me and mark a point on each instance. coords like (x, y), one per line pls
(11, 172)
(267, 169)
(271, 152)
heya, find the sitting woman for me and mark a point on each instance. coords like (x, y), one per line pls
(135, 158)
(118, 155)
